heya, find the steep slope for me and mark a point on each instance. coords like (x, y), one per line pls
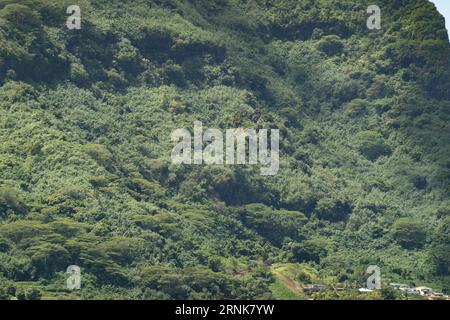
(86, 117)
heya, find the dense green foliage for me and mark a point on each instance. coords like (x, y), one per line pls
(85, 171)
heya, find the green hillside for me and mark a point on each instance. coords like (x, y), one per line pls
(86, 177)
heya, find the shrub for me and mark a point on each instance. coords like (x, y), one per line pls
(127, 55)
(440, 250)
(29, 294)
(310, 250)
(48, 257)
(142, 189)
(7, 289)
(78, 73)
(409, 233)
(273, 225)
(99, 153)
(356, 107)
(10, 202)
(4, 245)
(332, 209)
(371, 145)
(331, 45)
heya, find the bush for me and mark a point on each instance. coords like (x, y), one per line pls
(371, 145)
(27, 49)
(142, 189)
(127, 56)
(409, 233)
(273, 225)
(356, 107)
(48, 257)
(309, 250)
(5, 245)
(7, 289)
(332, 209)
(29, 294)
(99, 153)
(78, 73)
(10, 202)
(440, 249)
(331, 45)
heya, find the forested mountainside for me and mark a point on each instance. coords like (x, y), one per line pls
(86, 176)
